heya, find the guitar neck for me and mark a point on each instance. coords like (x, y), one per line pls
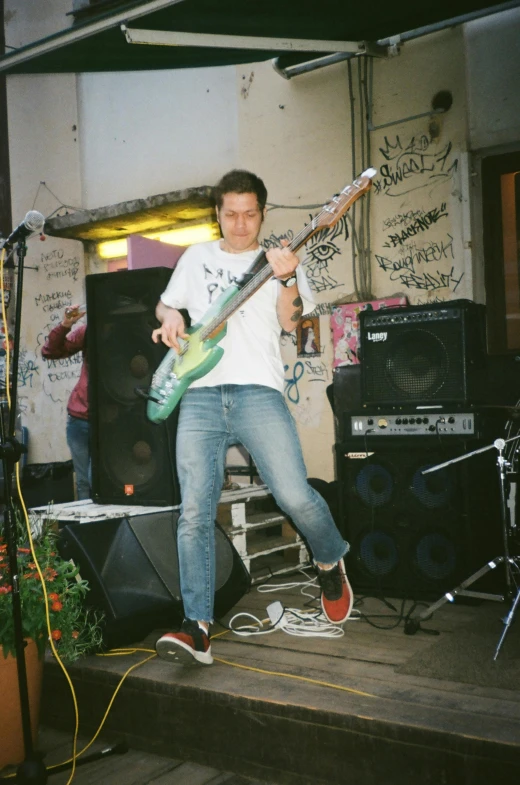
(260, 271)
(256, 280)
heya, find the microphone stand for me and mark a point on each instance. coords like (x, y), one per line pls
(32, 770)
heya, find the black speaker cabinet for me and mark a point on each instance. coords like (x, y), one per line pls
(345, 396)
(413, 534)
(422, 354)
(133, 459)
(131, 566)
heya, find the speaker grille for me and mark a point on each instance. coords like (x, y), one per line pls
(415, 534)
(133, 460)
(422, 353)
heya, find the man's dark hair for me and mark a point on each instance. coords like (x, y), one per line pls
(239, 181)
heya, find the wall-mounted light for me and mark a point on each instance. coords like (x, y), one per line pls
(188, 235)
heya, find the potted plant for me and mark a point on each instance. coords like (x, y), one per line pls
(75, 629)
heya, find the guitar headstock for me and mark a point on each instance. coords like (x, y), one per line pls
(340, 203)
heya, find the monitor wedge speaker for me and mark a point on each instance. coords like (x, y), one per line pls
(131, 566)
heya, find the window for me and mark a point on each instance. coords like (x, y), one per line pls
(501, 232)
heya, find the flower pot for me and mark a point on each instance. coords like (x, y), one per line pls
(12, 749)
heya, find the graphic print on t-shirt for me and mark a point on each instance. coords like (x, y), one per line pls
(218, 281)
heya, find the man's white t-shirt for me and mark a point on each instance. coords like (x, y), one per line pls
(252, 342)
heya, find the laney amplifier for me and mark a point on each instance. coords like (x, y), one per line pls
(422, 354)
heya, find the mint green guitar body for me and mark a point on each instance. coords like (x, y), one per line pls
(199, 354)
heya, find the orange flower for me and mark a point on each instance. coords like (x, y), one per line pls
(75, 634)
(56, 635)
(53, 596)
(56, 606)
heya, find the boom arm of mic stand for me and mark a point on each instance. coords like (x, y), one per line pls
(499, 444)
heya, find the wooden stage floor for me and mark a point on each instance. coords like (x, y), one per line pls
(374, 706)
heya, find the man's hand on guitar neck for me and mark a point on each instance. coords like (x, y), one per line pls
(283, 261)
(172, 327)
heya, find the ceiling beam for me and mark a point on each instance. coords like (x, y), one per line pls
(172, 38)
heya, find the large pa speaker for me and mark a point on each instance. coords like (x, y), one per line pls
(422, 354)
(133, 459)
(131, 566)
(412, 534)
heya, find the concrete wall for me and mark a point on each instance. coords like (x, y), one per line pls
(155, 131)
(97, 139)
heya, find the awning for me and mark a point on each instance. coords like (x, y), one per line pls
(292, 30)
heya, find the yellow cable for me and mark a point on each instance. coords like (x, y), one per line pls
(27, 523)
(287, 675)
(98, 731)
(298, 678)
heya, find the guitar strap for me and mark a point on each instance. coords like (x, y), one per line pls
(258, 264)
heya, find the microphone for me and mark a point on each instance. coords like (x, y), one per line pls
(33, 222)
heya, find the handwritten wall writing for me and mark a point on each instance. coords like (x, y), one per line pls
(405, 269)
(317, 371)
(421, 222)
(322, 309)
(56, 265)
(53, 301)
(413, 164)
(27, 370)
(57, 377)
(429, 300)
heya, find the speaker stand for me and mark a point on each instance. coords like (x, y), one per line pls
(511, 564)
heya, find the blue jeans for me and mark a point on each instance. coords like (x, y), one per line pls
(78, 431)
(212, 418)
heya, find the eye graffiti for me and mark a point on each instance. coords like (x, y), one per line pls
(320, 251)
(322, 248)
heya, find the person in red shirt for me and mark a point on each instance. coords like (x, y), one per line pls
(61, 343)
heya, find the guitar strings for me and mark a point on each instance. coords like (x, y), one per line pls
(266, 272)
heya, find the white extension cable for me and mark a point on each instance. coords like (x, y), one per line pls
(305, 624)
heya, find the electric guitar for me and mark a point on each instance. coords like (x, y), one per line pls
(200, 353)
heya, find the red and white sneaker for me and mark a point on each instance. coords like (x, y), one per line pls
(337, 598)
(189, 646)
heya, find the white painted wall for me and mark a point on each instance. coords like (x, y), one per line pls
(152, 132)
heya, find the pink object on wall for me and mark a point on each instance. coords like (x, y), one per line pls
(143, 252)
(344, 323)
